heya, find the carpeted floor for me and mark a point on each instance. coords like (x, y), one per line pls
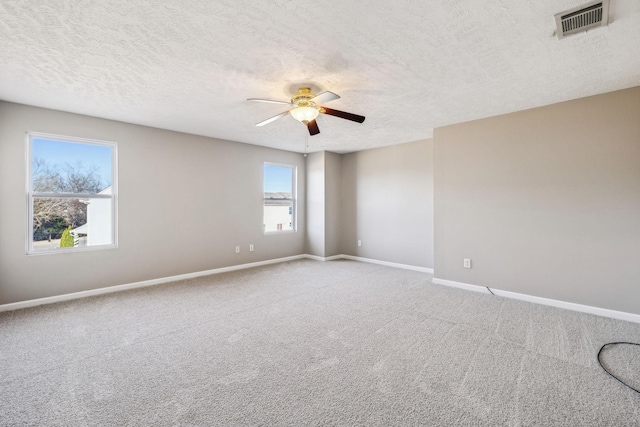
(312, 343)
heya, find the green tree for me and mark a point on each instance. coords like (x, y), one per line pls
(68, 178)
(67, 239)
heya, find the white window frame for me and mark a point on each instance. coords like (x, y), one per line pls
(294, 198)
(32, 194)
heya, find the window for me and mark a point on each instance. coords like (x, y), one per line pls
(279, 198)
(71, 192)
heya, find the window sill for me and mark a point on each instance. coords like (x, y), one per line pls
(71, 250)
(271, 233)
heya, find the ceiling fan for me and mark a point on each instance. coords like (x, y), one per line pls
(306, 106)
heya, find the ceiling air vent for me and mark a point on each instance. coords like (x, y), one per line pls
(591, 15)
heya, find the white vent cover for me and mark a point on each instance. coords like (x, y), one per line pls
(591, 15)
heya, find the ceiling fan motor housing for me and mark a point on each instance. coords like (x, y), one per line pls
(303, 98)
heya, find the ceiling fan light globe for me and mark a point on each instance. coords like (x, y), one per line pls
(304, 114)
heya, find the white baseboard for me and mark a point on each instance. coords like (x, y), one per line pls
(630, 317)
(319, 258)
(152, 282)
(388, 264)
(604, 312)
(371, 261)
(460, 285)
(145, 283)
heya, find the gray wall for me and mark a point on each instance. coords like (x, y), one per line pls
(324, 190)
(387, 202)
(332, 203)
(545, 202)
(315, 232)
(185, 202)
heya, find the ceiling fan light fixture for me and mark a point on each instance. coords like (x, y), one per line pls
(305, 114)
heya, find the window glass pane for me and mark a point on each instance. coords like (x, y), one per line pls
(76, 223)
(278, 179)
(278, 216)
(279, 203)
(68, 167)
(72, 194)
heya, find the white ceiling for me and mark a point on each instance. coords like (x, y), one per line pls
(407, 65)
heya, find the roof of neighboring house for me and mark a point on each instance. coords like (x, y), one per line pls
(277, 199)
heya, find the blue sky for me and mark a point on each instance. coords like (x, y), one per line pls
(58, 153)
(277, 179)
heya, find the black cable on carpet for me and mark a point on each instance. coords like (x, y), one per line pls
(605, 369)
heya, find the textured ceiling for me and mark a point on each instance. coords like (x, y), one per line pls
(408, 65)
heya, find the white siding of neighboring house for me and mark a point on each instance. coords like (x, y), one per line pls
(99, 221)
(274, 215)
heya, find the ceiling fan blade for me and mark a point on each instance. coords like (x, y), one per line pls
(313, 128)
(272, 119)
(324, 97)
(342, 114)
(269, 100)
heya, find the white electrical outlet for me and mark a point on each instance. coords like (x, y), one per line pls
(237, 249)
(251, 247)
(467, 263)
(359, 242)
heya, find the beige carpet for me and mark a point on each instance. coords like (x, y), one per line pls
(312, 343)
